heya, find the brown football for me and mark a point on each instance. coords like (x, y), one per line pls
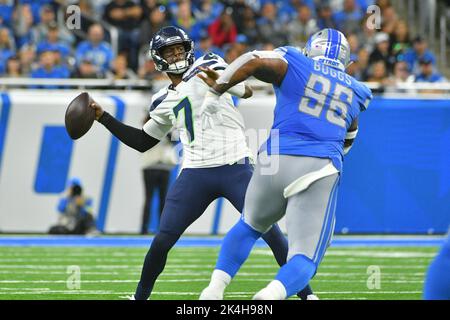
(79, 116)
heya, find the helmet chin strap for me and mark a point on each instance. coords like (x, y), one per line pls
(178, 67)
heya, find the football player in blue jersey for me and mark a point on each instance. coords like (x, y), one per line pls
(437, 281)
(315, 123)
(215, 159)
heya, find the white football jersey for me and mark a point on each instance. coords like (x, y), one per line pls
(179, 107)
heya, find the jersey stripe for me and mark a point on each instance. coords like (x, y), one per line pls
(158, 101)
(196, 70)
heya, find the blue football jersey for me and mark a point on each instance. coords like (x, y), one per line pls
(315, 105)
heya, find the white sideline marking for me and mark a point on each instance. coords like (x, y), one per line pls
(208, 273)
(227, 294)
(202, 266)
(199, 280)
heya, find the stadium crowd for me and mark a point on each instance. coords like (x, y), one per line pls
(35, 43)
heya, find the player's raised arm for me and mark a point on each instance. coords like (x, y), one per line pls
(267, 66)
(240, 90)
(132, 137)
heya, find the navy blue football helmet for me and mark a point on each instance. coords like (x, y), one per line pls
(168, 36)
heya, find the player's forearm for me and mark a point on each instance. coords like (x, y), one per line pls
(241, 90)
(235, 73)
(349, 139)
(132, 137)
(267, 66)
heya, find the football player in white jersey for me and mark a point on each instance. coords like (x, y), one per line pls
(215, 153)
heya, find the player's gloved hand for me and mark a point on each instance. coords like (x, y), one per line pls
(210, 111)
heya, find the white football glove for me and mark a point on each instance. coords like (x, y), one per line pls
(210, 111)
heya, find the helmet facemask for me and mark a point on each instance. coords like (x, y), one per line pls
(178, 67)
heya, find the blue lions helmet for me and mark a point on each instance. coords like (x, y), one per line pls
(330, 47)
(168, 36)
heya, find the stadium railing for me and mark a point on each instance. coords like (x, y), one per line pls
(153, 86)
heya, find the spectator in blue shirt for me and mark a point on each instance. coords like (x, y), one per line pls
(94, 56)
(287, 8)
(7, 48)
(6, 12)
(49, 69)
(427, 72)
(205, 46)
(36, 6)
(48, 17)
(52, 42)
(325, 16)
(417, 52)
(349, 19)
(185, 20)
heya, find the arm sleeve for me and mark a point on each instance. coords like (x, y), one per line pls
(238, 90)
(132, 137)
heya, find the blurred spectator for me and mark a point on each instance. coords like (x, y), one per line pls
(239, 11)
(381, 51)
(400, 75)
(27, 57)
(249, 27)
(155, 20)
(353, 42)
(362, 59)
(75, 211)
(207, 12)
(53, 43)
(6, 12)
(400, 41)
(123, 14)
(325, 16)
(366, 35)
(13, 69)
(271, 29)
(378, 72)
(288, 9)
(7, 48)
(418, 51)
(126, 15)
(23, 25)
(267, 46)
(241, 44)
(147, 71)
(94, 56)
(48, 68)
(383, 4)
(353, 68)
(186, 21)
(223, 30)
(205, 45)
(389, 19)
(36, 7)
(231, 53)
(302, 27)
(120, 69)
(427, 72)
(148, 5)
(349, 19)
(47, 18)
